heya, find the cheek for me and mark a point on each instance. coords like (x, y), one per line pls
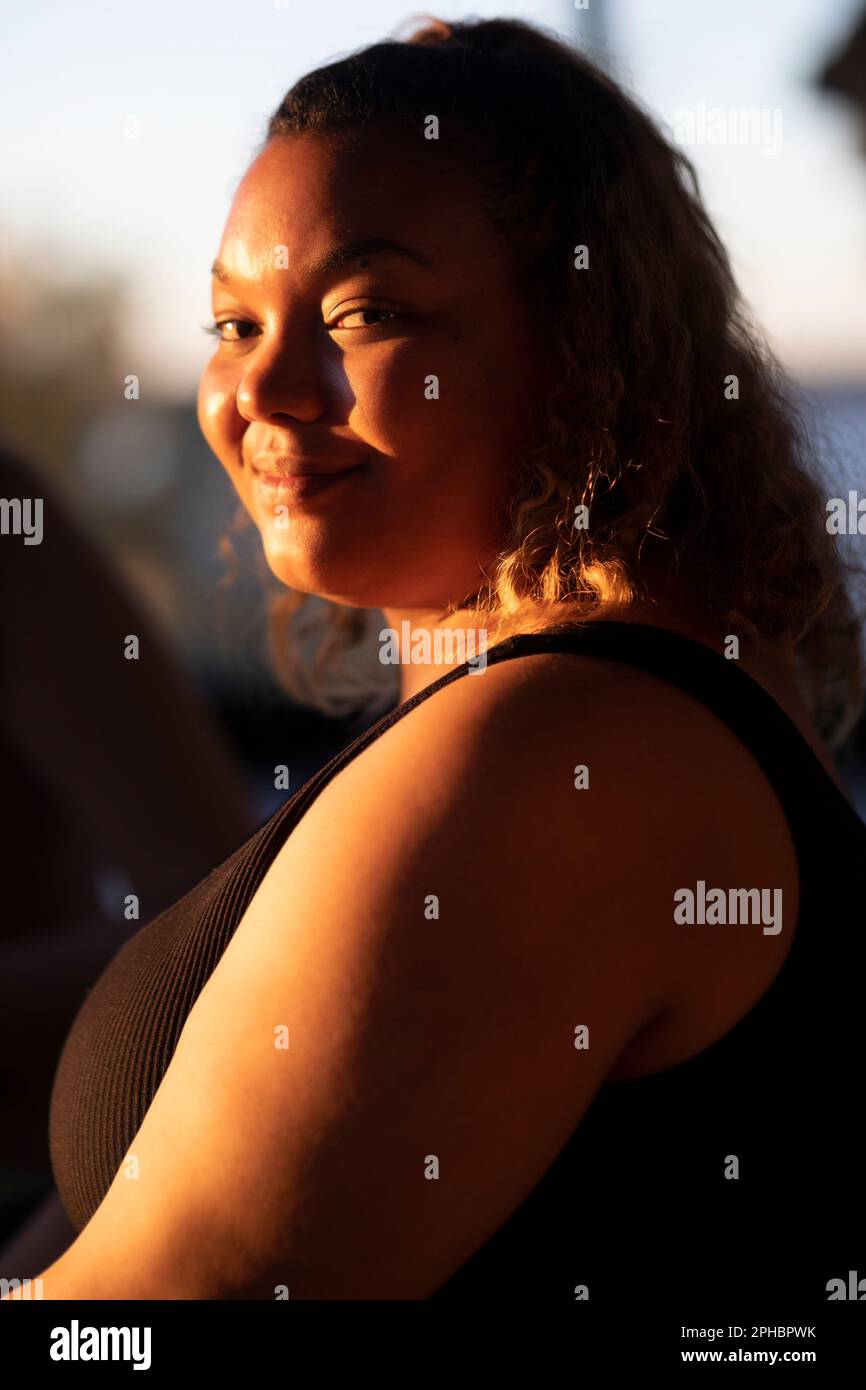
(386, 390)
(218, 416)
(423, 402)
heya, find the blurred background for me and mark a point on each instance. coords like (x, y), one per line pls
(126, 135)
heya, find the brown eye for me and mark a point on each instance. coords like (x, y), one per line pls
(386, 315)
(217, 329)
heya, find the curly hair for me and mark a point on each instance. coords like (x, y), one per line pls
(667, 416)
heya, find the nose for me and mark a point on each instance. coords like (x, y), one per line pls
(279, 380)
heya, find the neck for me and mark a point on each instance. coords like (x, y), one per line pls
(426, 645)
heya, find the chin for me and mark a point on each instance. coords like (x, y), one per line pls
(307, 575)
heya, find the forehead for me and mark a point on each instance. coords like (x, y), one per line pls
(307, 191)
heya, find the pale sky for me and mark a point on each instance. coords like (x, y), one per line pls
(202, 78)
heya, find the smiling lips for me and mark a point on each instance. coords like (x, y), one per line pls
(282, 480)
(273, 467)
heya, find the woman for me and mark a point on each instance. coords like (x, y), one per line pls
(541, 988)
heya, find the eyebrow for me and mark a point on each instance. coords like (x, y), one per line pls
(344, 252)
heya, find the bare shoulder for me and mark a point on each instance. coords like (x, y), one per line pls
(590, 782)
(654, 746)
(519, 791)
(534, 754)
(552, 781)
(539, 747)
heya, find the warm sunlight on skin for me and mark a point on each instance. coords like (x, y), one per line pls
(330, 367)
(417, 1034)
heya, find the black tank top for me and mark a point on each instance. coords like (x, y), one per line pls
(641, 1206)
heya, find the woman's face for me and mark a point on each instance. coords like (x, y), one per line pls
(414, 373)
